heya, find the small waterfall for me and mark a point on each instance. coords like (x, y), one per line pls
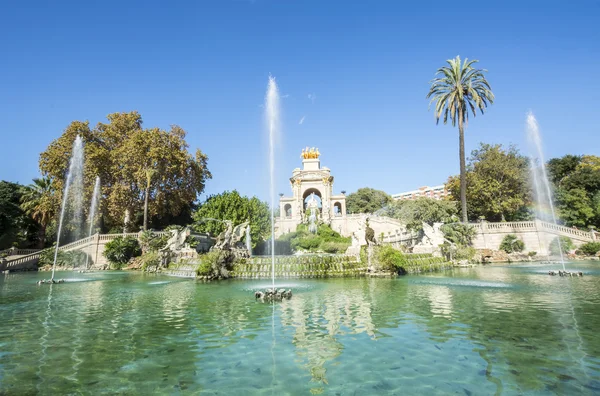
(248, 240)
(92, 214)
(541, 186)
(75, 178)
(312, 221)
(272, 114)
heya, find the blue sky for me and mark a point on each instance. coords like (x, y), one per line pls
(355, 72)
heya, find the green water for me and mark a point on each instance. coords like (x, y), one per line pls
(486, 330)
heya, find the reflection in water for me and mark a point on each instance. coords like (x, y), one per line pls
(44, 339)
(441, 301)
(483, 330)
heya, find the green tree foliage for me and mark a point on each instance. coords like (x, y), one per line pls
(458, 89)
(39, 202)
(71, 259)
(121, 249)
(123, 154)
(16, 228)
(511, 244)
(367, 200)
(575, 207)
(590, 248)
(498, 186)
(230, 205)
(576, 182)
(414, 213)
(566, 244)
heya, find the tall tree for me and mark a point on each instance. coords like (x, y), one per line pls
(460, 88)
(367, 200)
(498, 183)
(230, 205)
(414, 213)
(576, 181)
(39, 202)
(121, 152)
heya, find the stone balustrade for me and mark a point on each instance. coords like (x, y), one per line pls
(93, 245)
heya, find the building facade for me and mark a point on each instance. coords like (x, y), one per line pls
(312, 192)
(309, 184)
(436, 192)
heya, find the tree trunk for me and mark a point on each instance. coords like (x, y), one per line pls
(463, 170)
(146, 209)
(42, 236)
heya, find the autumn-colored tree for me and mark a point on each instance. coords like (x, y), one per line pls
(122, 153)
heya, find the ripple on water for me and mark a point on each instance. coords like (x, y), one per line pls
(460, 283)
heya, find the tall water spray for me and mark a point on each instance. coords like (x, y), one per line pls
(74, 190)
(541, 186)
(272, 115)
(92, 214)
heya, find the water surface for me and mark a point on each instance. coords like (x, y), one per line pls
(485, 330)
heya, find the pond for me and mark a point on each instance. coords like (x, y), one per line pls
(502, 329)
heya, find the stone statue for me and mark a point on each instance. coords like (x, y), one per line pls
(311, 153)
(177, 240)
(231, 240)
(312, 202)
(433, 237)
(224, 238)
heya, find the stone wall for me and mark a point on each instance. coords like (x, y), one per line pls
(346, 225)
(537, 235)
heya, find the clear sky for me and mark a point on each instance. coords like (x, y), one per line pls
(353, 76)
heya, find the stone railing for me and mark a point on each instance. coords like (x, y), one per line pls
(399, 236)
(17, 252)
(97, 239)
(529, 226)
(566, 230)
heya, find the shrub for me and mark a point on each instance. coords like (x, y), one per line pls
(457, 252)
(309, 242)
(511, 243)
(334, 247)
(590, 248)
(215, 264)
(459, 233)
(325, 239)
(73, 258)
(150, 261)
(532, 254)
(120, 250)
(390, 259)
(151, 242)
(565, 243)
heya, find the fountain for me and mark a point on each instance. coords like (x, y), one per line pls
(272, 114)
(312, 221)
(75, 178)
(541, 185)
(248, 240)
(92, 214)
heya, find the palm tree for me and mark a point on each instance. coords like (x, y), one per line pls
(458, 89)
(38, 201)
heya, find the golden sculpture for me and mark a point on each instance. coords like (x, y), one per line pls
(312, 153)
